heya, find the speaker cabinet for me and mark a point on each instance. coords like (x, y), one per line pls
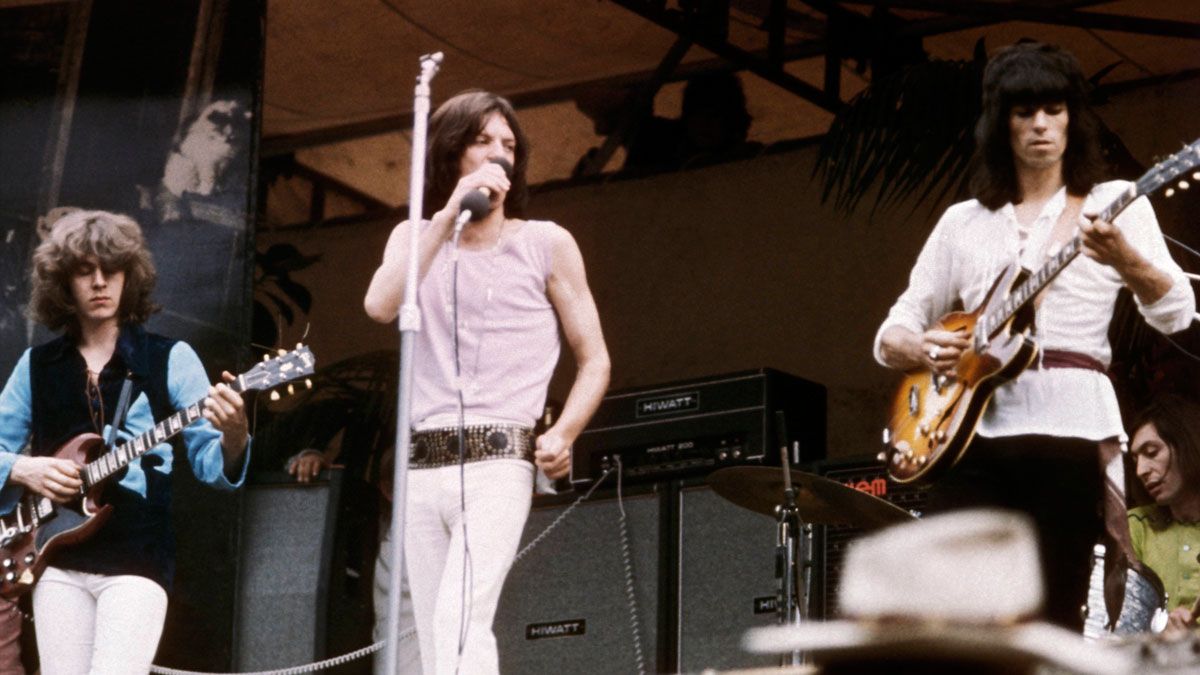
(564, 607)
(726, 577)
(868, 475)
(285, 543)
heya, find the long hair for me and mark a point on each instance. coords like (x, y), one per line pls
(116, 240)
(1032, 73)
(1177, 421)
(452, 127)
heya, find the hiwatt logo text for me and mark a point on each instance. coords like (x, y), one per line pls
(688, 401)
(556, 629)
(767, 604)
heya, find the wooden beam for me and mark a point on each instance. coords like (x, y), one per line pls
(768, 71)
(282, 144)
(1040, 13)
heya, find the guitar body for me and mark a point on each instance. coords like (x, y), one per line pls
(57, 525)
(933, 418)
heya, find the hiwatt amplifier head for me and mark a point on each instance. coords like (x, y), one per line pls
(693, 427)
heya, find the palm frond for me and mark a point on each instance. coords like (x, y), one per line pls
(911, 131)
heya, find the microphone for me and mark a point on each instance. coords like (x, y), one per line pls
(479, 202)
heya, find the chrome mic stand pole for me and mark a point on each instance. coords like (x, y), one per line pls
(410, 324)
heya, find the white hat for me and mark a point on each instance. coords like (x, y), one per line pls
(961, 585)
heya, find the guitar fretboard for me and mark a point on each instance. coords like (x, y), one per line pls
(1055, 264)
(119, 457)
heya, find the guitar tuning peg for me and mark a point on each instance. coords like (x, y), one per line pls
(1183, 185)
(274, 396)
(307, 383)
(291, 389)
(266, 356)
(1169, 192)
(299, 345)
(1196, 175)
(280, 352)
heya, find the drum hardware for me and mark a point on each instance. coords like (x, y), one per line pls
(795, 536)
(1143, 610)
(799, 500)
(820, 500)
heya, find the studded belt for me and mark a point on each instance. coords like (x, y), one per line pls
(439, 447)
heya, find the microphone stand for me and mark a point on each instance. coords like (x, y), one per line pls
(410, 324)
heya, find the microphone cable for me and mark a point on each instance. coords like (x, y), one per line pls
(468, 577)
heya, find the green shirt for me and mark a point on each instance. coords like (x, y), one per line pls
(1170, 549)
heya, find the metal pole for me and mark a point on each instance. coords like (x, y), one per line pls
(410, 324)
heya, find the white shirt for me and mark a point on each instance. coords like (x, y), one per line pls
(968, 249)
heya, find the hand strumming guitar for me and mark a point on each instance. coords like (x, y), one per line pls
(52, 477)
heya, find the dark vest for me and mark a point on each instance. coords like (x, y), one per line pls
(138, 539)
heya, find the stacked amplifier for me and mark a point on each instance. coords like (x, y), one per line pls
(869, 475)
(694, 427)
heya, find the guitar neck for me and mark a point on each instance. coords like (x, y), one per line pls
(286, 367)
(119, 457)
(1055, 264)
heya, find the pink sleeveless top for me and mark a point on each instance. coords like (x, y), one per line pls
(508, 331)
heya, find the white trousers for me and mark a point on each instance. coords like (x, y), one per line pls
(498, 494)
(408, 653)
(97, 624)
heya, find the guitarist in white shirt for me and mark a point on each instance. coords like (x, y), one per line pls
(1036, 169)
(100, 605)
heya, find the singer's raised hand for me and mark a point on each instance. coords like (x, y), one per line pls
(488, 178)
(478, 173)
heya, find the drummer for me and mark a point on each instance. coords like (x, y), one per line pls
(1166, 534)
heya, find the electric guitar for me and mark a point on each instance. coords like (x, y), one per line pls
(38, 527)
(933, 417)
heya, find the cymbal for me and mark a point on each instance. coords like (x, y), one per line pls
(818, 499)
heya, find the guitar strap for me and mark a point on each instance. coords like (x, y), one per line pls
(1064, 229)
(122, 408)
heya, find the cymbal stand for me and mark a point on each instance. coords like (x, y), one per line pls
(795, 538)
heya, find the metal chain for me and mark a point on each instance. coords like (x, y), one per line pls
(630, 590)
(297, 670)
(549, 528)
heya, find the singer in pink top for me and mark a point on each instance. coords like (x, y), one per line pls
(492, 305)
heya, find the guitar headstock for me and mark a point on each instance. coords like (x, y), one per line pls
(1171, 168)
(285, 367)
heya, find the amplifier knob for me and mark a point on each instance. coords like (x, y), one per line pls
(29, 558)
(722, 456)
(10, 577)
(737, 453)
(8, 563)
(881, 458)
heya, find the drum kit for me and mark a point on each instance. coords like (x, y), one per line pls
(798, 501)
